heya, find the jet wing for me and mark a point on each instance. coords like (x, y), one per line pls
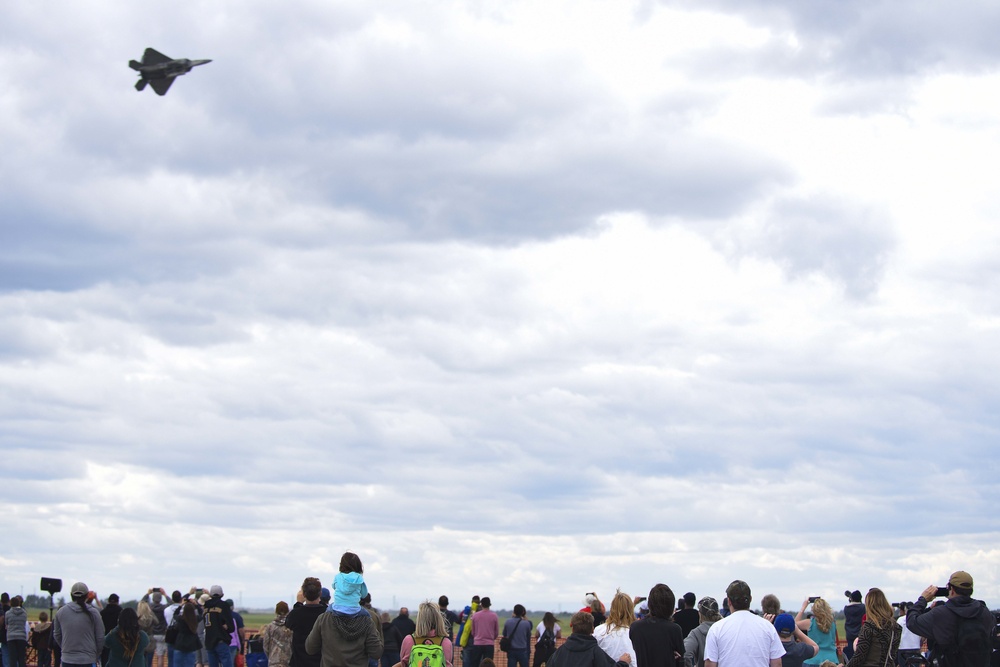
(154, 57)
(161, 86)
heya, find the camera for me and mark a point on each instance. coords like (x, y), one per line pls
(942, 591)
(814, 598)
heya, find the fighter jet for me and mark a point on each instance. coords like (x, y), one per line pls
(159, 71)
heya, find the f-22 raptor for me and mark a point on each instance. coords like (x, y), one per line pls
(159, 71)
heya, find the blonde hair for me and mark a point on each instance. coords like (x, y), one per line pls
(823, 615)
(878, 608)
(429, 620)
(146, 616)
(622, 613)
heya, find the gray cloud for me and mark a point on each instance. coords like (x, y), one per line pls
(821, 235)
(877, 39)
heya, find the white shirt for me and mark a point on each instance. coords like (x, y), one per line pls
(743, 639)
(615, 642)
(556, 630)
(908, 641)
(168, 612)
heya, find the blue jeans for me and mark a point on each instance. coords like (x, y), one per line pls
(219, 656)
(389, 658)
(518, 657)
(184, 658)
(477, 653)
(6, 654)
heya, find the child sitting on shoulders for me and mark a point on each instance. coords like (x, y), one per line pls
(349, 586)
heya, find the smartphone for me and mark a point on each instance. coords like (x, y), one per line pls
(814, 598)
(942, 592)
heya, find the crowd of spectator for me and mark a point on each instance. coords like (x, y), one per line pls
(944, 627)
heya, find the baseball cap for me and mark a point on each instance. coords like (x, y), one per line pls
(216, 590)
(960, 579)
(324, 593)
(79, 591)
(708, 607)
(784, 624)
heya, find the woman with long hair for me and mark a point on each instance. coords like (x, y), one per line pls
(187, 643)
(547, 632)
(430, 630)
(879, 637)
(126, 642)
(656, 638)
(694, 643)
(147, 621)
(821, 629)
(612, 635)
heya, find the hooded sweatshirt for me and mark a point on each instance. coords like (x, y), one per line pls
(79, 631)
(940, 624)
(344, 641)
(277, 639)
(348, 589)
(582, 650)
(694, 645)
(43, 632)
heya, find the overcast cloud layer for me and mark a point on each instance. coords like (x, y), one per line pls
(522, 298)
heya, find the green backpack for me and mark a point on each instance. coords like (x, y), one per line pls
(427, 652)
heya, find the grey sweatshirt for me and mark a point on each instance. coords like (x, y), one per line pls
(79, 631)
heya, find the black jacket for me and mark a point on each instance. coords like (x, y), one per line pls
(655, 641)
(582, 651)
(940, 624)
(391, 638)
(219, 624)
(405, 625)
(187, 639)
(300, 621)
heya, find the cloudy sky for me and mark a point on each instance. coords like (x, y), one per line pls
(524, 298)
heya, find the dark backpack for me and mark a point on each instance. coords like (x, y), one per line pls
(973, 644)
(546, 642)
